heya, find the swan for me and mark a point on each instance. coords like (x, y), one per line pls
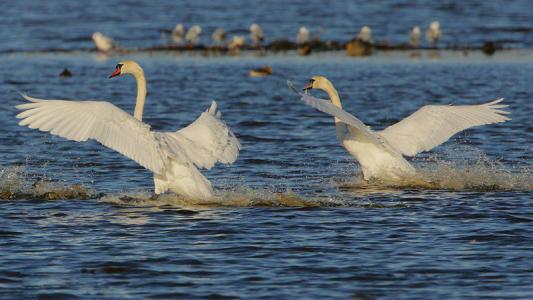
(365, 34)
(177, 34)
(303, 35)
(433, 33)
(380, 153)
(414, 37)
(256, 33)
(173, 157)
(193, 34)
(102, 42)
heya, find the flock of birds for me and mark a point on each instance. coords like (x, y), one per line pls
(191, 37)
(175, 157)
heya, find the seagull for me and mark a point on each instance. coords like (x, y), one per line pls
(414, 38)
(433, 33)
(303, 35)
(365, 34)
(193, 34)
(256, 34)
(237, 42)
(178, 33)
(219, 35)
(102, 42)
(381, 153)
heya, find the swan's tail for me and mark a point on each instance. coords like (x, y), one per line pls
(213, 110)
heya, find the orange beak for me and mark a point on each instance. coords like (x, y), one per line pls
(116, 73)
(308, 86)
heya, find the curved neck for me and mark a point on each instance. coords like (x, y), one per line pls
(141, 94)
(333, 95)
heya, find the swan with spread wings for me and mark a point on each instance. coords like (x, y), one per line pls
(381, 153)
(173, 157)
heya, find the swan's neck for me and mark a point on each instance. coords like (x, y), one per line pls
(334, 97)
(141, 94)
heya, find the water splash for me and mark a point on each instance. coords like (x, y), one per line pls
(461, 168)
(17, 184)
(237, 197)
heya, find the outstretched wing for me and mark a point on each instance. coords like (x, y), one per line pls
(102, 121)
(355, 124)
(432, 125)
(206, 141)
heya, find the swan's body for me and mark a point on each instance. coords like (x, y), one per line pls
(303, 35)
(256, 34)
(173, 157)
(102, 42)
(414, 36)
(380, 154)
(433, 33)
(177, 34)
(365, 34)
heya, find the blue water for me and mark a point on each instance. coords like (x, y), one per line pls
(292, 218)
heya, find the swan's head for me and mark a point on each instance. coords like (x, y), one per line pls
(127, 67)
(318, 82)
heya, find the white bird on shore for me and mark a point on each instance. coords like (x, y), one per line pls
(303, 35)
(256, 34)
(178, 33)
(102, 42)
(219, 35)
(414, 37)
(380, 153)
(193, 35)
(174, 157)
(237, 42)
(433, 33)
(365, 34)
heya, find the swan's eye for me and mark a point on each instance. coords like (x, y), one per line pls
(119, 66)
(311, 80)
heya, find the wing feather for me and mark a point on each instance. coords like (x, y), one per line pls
(98, 120)
(355, 124)
(433, 125)
(206, 141)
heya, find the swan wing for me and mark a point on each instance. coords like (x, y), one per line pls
(206, 141)
(102, 121)
(432, 125)
(356, 126)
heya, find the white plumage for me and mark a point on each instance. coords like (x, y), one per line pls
(365, 34)
(414, 36)
(303, 35)
(193, 35)
(256, 33)
(102, 42)
(433, 33)
(178, 33)
(173, 157)
(380, 153)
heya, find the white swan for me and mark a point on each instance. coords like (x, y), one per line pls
(173, 157)
(380, 154)
(102, 42)
(433, 33)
